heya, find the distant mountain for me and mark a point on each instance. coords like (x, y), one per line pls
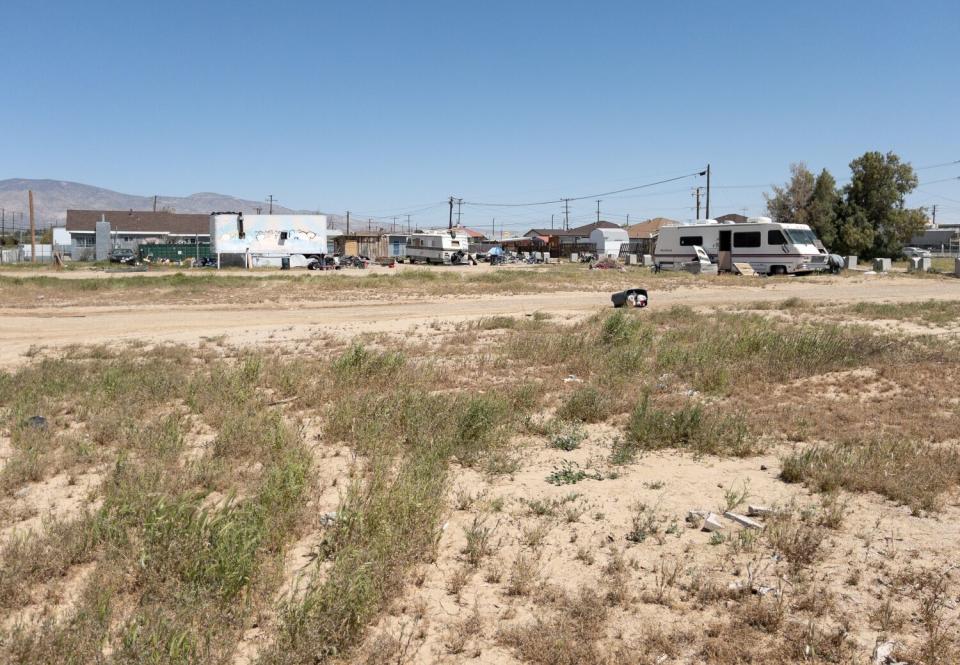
(52, 198)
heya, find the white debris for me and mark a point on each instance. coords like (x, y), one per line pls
(712, 523)
(328, 519)
(573, 379)
(743, 520)
(883, 653)
(759, 511)
(696, 516)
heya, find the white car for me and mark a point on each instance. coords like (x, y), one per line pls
(916, 252)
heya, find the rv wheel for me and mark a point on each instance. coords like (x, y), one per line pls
(778, 270)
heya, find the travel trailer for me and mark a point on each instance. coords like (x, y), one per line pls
(770, 248)
(268, 236)
(438, 247)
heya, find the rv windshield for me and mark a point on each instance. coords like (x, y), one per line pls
(801, 236)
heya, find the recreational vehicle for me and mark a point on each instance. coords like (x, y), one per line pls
(268, 236)
(437, 246)
(769, 247)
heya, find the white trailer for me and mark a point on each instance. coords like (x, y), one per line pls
(437, 246)
(268, 236)
(769, 247)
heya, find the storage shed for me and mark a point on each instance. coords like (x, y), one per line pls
(609, 241)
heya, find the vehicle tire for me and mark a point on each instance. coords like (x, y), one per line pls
(778, 270)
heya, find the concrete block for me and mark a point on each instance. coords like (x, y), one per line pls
(956, 267)
(926, 263)
(633, 260)
(850, 262)
(574, 257)
(882, 265)
(759, 511)
(913, 264)
(743, 520)
(712, 523)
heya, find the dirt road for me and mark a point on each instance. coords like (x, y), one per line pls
(59, 326)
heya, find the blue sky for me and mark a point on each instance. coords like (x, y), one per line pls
(386, 107)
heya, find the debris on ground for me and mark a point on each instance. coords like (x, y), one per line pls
(743, 520)
(572, 378)
(759, 511)
(712, 523)
(36, 422)
(328, 519)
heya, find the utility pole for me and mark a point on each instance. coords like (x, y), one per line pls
(628, 219)
(270, 199)
(566, 214)
(348, 222)
(551, 220)
(394, 223)
(33, 230)
(450, 215)
(934, 214)
(598, 210)
(708, 191)
(408, 223)
(493, 229)
(459, 203)
(698, 201)
(154, 202)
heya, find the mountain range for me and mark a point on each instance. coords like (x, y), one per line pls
(52, 198)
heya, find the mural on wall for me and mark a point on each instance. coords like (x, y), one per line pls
(234, 233)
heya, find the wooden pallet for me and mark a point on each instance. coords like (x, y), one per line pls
(744, 269)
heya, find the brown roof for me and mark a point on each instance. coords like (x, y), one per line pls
(648, 228)
(139, 221)
(579, 231)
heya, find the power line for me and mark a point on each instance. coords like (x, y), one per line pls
(587, 196)
(937, 166)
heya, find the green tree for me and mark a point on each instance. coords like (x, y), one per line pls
(822, 210)
(874, 218)
(790, 204)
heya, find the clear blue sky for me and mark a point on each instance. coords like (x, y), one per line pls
(384, 107)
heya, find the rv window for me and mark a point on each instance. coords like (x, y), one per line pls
(690, 241)
(775, 238)
(746, 239)
(802, 236)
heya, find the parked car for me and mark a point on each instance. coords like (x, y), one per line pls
(121, 255)
(916, 252)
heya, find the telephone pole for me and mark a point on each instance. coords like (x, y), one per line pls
(33, 230)
(394, 228)
(551, 220)
(934, 214)
(450, 215)
(698, 201)
(154, 202)
(598, 210)
(566, 214)
(708, 191)
(270, 200)
(408, 223)
(459, 203)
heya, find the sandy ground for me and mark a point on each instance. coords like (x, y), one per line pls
(55, 327)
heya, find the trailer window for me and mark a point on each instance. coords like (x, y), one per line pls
(746, 239)
(775, 237)
(690, 241)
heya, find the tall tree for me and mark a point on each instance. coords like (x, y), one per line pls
(875, 220)
(789, 204)
(822, 210)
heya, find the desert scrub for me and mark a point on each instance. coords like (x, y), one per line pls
(908, 472)
(689, 428)
(568, 438)
(587, 404)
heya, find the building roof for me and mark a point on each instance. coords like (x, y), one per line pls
(139, 221)
(579, 231)
(649, 228)
(471, 233)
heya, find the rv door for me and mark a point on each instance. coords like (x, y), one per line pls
(725, 258)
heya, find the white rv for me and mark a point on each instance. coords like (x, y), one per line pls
(769, 247)
(437, 246)
(268, 236)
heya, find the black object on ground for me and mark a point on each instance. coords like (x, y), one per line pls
(630, 298)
